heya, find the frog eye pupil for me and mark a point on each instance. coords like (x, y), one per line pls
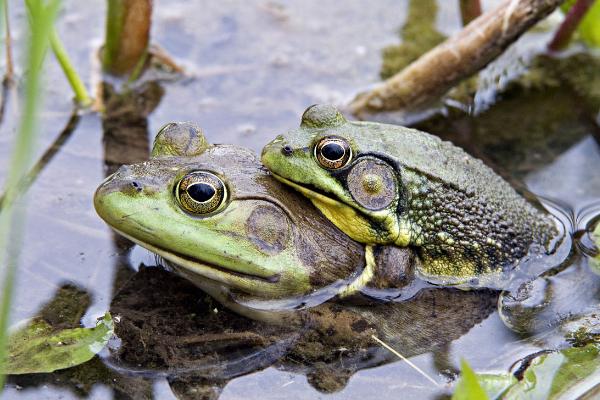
(333, 151)
(201, 192)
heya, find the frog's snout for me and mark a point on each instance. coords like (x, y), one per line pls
(275, 149)
(122, 181)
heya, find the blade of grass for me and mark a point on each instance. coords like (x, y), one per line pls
(42, 15)
(81, 94)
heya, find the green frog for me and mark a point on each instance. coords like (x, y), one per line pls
(215, 214)
(391, 185)
(219, 219)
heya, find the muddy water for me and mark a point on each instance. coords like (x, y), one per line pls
(251, 69)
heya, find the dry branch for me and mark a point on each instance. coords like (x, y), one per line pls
(460, 56)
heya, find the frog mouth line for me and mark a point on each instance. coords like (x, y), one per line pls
(312, 193)
(210, 271)
(317, 196)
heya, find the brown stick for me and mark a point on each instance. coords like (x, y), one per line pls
(460, 56)
(565, 31)
(127, 34)
(469, 10)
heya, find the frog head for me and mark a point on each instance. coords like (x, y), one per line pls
(323, 160)
(215, 214)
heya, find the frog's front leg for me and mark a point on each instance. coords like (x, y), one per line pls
(365, 276)
(547, 301)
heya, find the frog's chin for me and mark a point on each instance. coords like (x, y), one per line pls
(346, 218)
(206, 270)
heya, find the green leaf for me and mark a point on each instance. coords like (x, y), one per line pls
(468, 387)
(496, 384)
(38, 348)
(595, 262)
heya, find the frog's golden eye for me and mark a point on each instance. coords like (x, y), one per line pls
(201, 192)
(333, 152)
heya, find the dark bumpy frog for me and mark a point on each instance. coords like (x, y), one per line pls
(386, 184)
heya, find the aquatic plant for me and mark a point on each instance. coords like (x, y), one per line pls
(569, 373)
(42, 14)
(127, 36)
(582, 17)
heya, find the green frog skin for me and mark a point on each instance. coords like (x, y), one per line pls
(218, 218)
(387, 184)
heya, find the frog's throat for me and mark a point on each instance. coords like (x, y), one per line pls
(213, 272)
(352, 222)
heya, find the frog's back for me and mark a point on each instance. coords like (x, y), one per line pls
(432, 157)
(473, 202)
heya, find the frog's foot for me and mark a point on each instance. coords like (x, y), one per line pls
(520, 309)
(547, 301)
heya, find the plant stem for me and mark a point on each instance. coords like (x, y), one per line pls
(563, 35)
(42, 15)
(8, 42)
(48, 155)
(7, 80)
(81, 94)
(127, 34)
(469, 10)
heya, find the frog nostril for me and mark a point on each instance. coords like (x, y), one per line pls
(287, 150)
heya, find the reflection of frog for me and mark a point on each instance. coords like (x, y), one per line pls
(197, 342)
(387, 184)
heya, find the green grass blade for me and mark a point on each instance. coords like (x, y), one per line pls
(81, 94)
(42, 15)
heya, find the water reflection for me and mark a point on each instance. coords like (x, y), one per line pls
(126, 140)
(185, 334)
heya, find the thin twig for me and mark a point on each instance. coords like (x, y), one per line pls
(563, 35)
(48, 155)
(459, 57)
(419, 370)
